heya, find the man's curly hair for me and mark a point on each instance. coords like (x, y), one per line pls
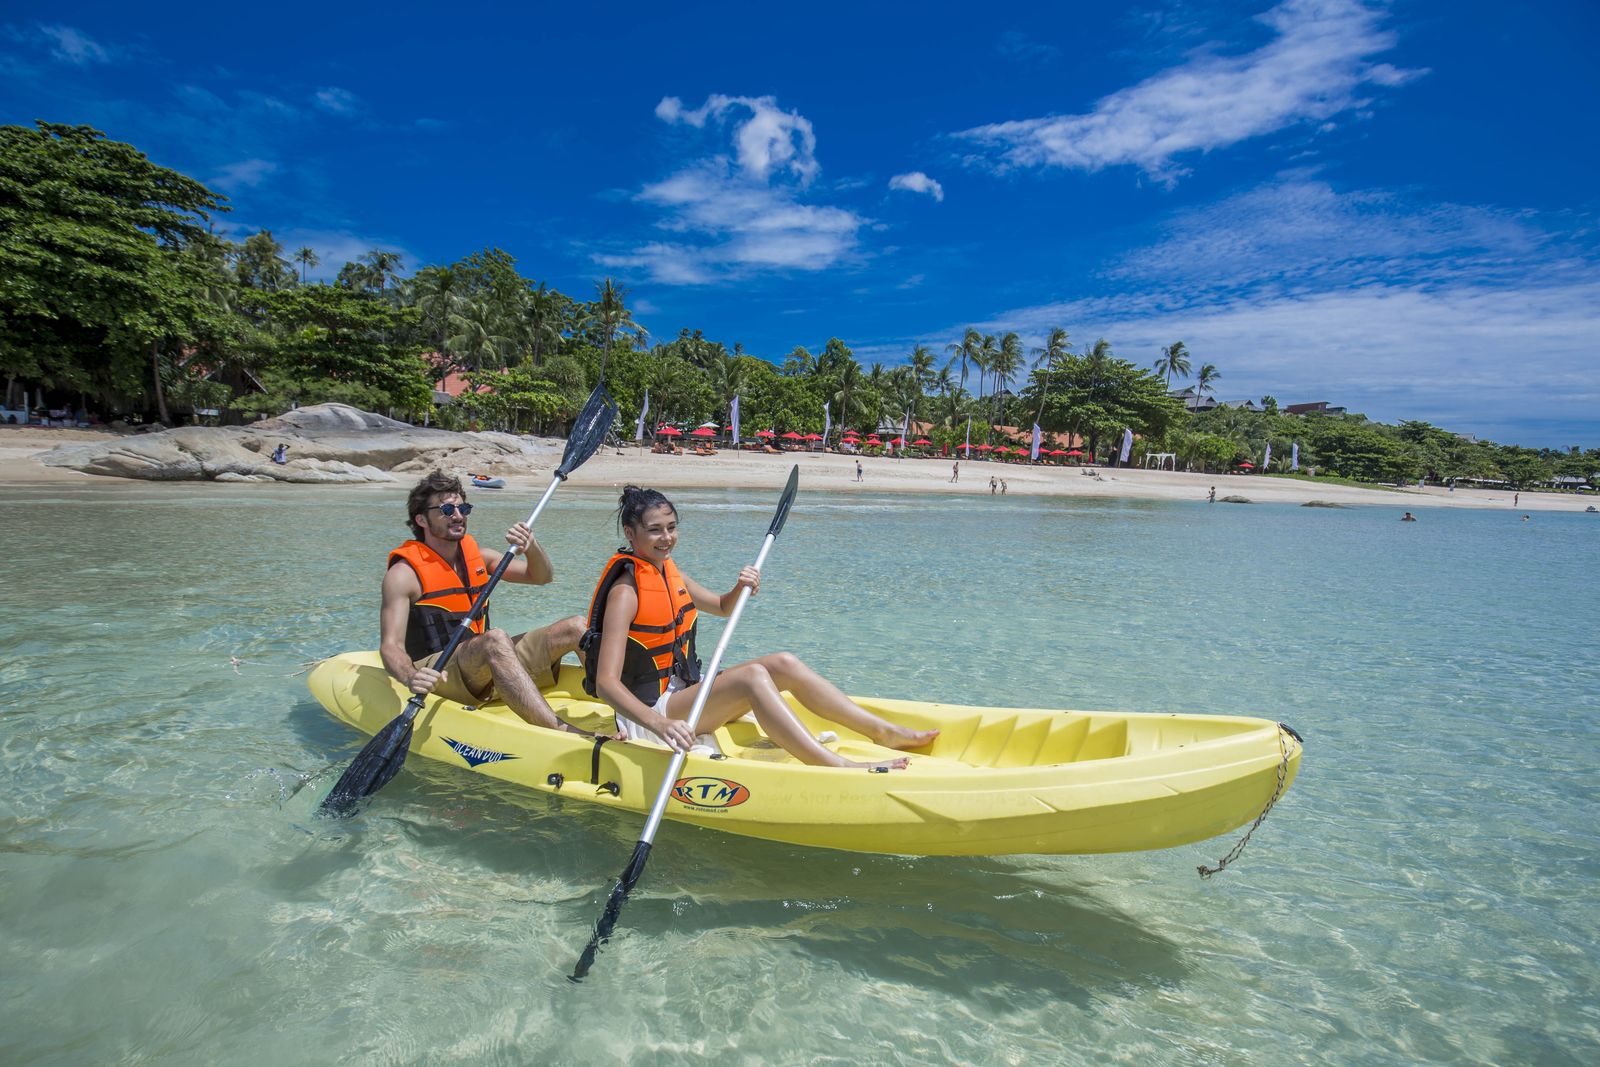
(417, 502)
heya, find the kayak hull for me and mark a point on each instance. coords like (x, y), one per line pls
(998, 781)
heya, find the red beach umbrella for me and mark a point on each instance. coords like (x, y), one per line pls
(704, 431)
(1075, 452)
(1247, 466)
(792, 436)
(898, 441)
(669, 431)
(967, 447)
(765, 433)
(986, 448)
(873, 440)
(812, 437)
(921, 441)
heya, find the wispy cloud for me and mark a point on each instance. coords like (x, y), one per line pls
(1316, 66)
(337, 101)
(735, 216)
(74, 46)
(918, 182)
(245, 174)
(1020, 48)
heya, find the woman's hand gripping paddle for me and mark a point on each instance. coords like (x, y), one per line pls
(641, 851)
(383, 756)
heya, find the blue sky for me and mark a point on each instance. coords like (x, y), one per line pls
(1390, 207)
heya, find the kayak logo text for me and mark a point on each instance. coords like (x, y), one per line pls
(474, 755)
(709, 792)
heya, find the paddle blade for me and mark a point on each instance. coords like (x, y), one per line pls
(608, 919)
(371, 770)
(782, 514)
(589, 430)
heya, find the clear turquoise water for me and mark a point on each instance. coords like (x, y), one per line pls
(1426, 892)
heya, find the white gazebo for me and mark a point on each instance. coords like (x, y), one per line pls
(1161, 460)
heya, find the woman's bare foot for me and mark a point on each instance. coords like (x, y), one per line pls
(903, 738)
(882, 765)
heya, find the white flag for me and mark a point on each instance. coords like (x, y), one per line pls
(827, 423)
(1294, 457)
(968, 448)
(734, 418)
(1033, 453)
(638, 431)
(1127, 444)
(1266, 459)
(905, 434)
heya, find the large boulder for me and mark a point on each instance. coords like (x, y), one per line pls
(327, 443)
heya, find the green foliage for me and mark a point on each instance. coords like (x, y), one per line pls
(93, 278)
(334, 340)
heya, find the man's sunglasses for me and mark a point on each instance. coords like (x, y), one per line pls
(450, 511)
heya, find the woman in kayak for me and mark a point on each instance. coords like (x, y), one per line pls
(640, 659)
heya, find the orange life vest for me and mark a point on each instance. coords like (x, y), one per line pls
(661, 636)
(445, 600)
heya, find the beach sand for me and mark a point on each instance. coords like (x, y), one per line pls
(20, 448)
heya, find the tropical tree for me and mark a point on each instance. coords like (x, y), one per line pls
(307, 258)
(438, 293)
(1206, 379)
(1006, 361)
(610, 314)
(1174, 361)
(965, 351)
(921, 364)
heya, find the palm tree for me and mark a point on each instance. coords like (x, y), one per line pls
(850, 382)
(966, 350)
(1205, 379)
(610, 313)
(921, 364)
(1004, 364)
(543, 310)
(988, 349)
(1174, 360)
(437, 292)
(1056, 348)
(382, 267)
(306, 257)
(475, 339)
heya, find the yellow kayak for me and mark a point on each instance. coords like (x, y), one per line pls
(998, 781)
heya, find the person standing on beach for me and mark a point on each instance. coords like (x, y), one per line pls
(994, 484)
(431, 583)
(858, 470)
(640, 654)
(955, 471)
(1515, 497)
(1002, 487)
(1211, 497)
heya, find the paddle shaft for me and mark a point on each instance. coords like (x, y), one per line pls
(464, 630)
(641, 851)
(675, 765)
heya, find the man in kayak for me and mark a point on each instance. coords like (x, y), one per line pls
(431, 583)
(640, 654)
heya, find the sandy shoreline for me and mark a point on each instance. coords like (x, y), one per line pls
(21, 447)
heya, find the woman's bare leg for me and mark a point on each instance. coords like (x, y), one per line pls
(750, 687)
(824, 699)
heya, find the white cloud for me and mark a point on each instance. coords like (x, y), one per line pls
(1314, 68)
(74, 46)
(918, 182)
(770, 138)
(734, 217)
(247, 174)
(337, 101)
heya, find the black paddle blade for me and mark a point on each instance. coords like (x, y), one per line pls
(608, 920)
(782, 514)
(589, 430)
(371, 770)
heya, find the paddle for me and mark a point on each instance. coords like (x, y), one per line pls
(641, 851)
(383, 756)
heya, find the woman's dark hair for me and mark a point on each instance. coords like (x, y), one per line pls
(417, 502)
(635, 502)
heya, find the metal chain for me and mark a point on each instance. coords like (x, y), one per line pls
(1283, 774)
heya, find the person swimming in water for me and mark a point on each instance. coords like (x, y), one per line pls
(640, 659)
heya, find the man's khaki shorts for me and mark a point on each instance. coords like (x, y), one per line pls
(533, 649)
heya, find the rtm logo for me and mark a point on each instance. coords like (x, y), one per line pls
(474, 755)
(709, 792)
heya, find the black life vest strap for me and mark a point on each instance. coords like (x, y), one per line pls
(594, 759)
